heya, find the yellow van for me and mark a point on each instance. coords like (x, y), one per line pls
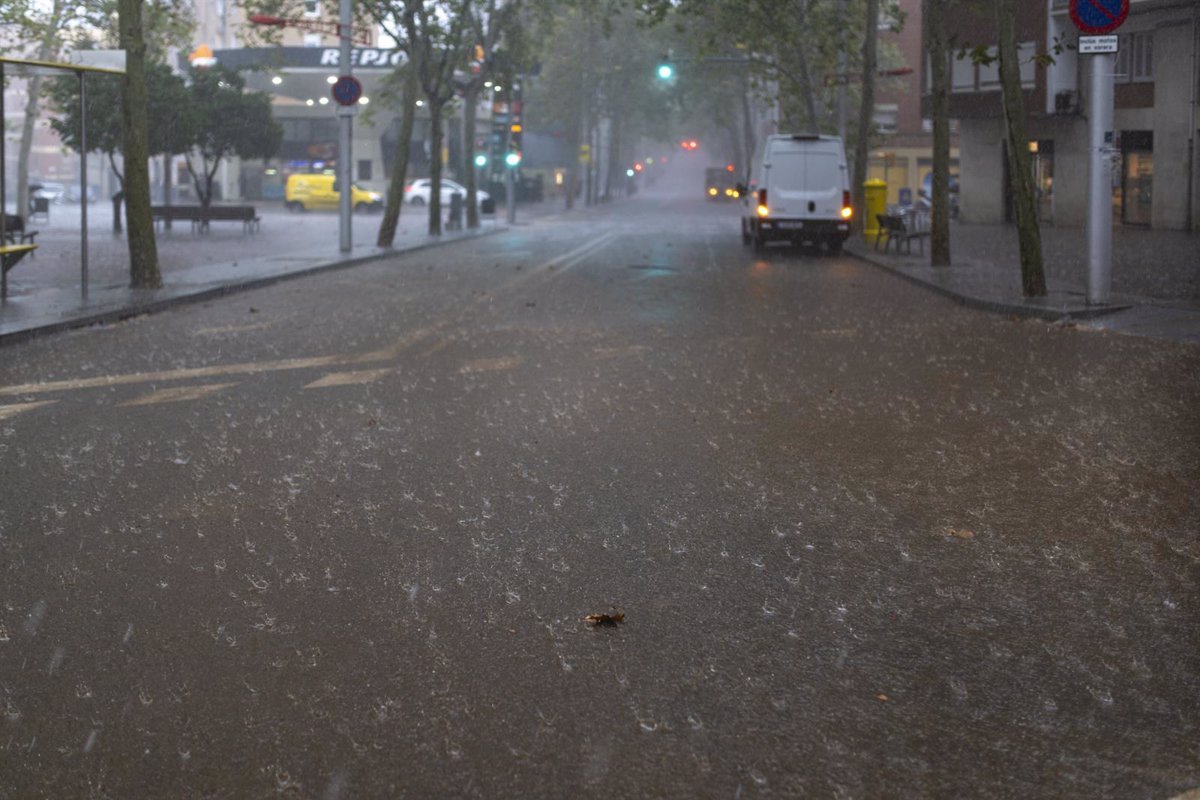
(311, 192)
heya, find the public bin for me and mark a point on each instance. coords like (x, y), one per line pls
(455, 221)
(875, 200)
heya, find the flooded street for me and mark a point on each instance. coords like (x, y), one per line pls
(337, 537)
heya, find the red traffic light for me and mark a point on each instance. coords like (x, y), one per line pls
(638, 167)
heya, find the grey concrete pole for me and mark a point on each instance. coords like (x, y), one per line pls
(345, 131)
(1100, 149)
(83, 203)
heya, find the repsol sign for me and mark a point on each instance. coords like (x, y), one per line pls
(363, 57)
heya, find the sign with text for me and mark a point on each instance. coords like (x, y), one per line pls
(1091, 45)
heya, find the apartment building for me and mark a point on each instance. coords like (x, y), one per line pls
(903, 155)
(1154, 183)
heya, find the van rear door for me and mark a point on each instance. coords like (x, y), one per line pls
(806, 181)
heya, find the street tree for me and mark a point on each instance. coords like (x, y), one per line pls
(228, 121)
(168, 114)
(143, 249)
(866, 111)
(1033, 277)
(438, 35)
(42, 26)
(492, 23)
(934, 18)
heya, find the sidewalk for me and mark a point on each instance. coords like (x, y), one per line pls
(44, 290)
(1155, 277)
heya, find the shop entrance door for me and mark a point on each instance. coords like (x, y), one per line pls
(1134, 197)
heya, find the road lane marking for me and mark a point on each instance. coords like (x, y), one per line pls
(177, 394)
(349, 378)
(560, 262)
(491, 365)
(9, 411)
(222, 370)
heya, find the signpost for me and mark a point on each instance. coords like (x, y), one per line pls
(1097, 17)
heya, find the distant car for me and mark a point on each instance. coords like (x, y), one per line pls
(304, 192)
(417, 193)
(51, 190)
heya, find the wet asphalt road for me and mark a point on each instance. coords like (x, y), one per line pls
(335, 538)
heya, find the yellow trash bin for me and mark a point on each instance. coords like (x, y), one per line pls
(875, 199)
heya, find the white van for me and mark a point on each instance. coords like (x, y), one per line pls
(798, 191)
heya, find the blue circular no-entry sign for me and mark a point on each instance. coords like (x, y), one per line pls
(346, 90)
(1099, 16)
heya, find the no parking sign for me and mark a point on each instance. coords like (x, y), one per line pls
(1098, 16)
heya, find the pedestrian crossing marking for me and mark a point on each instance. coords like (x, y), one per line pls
(9, 411)
(177, 394)
(348, 378)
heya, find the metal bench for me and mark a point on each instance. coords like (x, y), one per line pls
(901, 229)
(15, 232)
(200, 217)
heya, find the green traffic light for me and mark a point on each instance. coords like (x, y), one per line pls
(512, 159)
(481, 160)
(665, 71)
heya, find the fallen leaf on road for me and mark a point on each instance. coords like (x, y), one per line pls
(960, 533)
(612, 620)
(882, 698)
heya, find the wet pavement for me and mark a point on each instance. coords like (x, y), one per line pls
(1156, 274)
(1155, 277)
(868, 542)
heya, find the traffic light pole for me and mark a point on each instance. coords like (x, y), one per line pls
(510, 200)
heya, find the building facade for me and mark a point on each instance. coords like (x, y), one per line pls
(1154, 180)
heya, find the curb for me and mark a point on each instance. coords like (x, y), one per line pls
(154, 306)
(995, 306)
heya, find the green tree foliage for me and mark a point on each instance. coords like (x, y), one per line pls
(228, 121)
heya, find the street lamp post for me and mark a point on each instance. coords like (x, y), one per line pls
(346, 34)
(345, 132)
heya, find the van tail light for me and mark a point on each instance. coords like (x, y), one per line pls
(763, 209)
(847, 209)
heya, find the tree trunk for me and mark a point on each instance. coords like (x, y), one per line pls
(143, 251)
(749, 143)
(1033, 277)
(391, 215)
(435, 168)
(866, 111)
(46, 52)
(34, 88)
(118, 200)
(168, 179)
(470, 107)
(935, 40)
(615, 173)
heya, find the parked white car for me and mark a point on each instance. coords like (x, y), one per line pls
(417, 193)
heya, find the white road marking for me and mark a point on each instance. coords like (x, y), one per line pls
(177, 394)
(349, 378)
(9, 411)
(491, 365)
(560, 263)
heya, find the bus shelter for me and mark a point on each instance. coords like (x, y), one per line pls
(27, 68)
